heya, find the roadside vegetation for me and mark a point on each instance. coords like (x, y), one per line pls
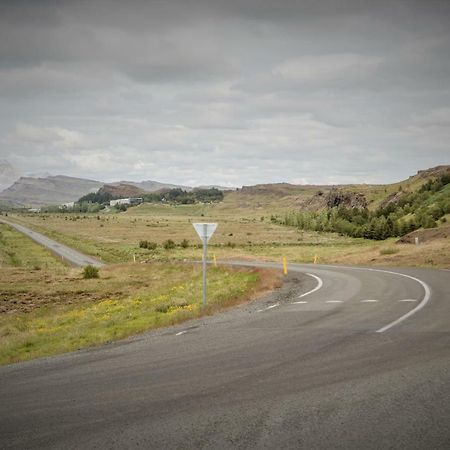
(50, 313)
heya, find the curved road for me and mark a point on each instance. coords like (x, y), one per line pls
(346, 358)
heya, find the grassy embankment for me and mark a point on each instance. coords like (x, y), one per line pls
(49, 310)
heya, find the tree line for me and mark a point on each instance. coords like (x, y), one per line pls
(182, 197)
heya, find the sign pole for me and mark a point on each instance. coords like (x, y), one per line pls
(205, 231)
(205, 245)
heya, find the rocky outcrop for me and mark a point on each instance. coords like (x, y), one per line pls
(347, 199)
(392, 199)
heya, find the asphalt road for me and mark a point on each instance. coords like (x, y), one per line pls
(314, 366)
(68, 254)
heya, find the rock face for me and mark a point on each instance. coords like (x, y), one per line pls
(35, 192)
(393, 198)
(347, 199)
(8, 174)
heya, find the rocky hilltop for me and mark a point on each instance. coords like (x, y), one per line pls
(122, 190)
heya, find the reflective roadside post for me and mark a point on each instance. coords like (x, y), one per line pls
(205, 231)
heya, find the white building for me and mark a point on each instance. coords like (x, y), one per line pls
(126, 201)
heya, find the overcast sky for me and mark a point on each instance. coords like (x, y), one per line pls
(225, 92)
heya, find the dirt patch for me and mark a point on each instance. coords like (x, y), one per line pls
(24, 302)
(427, 235)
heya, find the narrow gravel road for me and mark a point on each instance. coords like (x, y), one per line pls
(68, 254)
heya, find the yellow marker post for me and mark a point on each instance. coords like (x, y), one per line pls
(215, 260)
(315, 259)
(285, 268)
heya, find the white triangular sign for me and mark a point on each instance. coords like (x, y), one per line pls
(205, 230)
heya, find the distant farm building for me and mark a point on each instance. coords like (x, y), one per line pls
(126, 201)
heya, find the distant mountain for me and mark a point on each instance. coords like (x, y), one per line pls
(56, 190)
(152, 186)
(33, 192)
(214, 186)
(8, 174)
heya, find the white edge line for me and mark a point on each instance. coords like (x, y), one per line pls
(424, 301)
(319, 285)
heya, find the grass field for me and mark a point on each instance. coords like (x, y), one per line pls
(47, 307)
(242, 233)
(52, 312)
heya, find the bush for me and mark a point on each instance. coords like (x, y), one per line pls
(184, 243)
(90, 272)
(148, 245)
(169, 244)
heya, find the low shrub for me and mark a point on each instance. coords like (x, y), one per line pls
(169, 244)
(90, 272)
(148, 245)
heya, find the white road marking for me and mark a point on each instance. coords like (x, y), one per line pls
(424, 301)
(319, 285)
(269, 307)
(299, 303)
(180, 333)
(369, 301)
(408, 300)
(334, 301)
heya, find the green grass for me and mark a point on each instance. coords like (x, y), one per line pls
(51, 330)
(17, 250)
(389, 251)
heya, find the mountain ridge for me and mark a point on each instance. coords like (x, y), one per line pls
(60, 189)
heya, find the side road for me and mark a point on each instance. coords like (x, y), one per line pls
(71, 256)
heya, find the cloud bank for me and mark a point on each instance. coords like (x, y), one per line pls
(214, 92)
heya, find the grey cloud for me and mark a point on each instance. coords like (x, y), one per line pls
(203, 92)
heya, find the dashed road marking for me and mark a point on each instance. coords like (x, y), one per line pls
(269, 307)
(299, 303)
(180, 333)
(369, 301)
(334, 301)
(408, 300)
